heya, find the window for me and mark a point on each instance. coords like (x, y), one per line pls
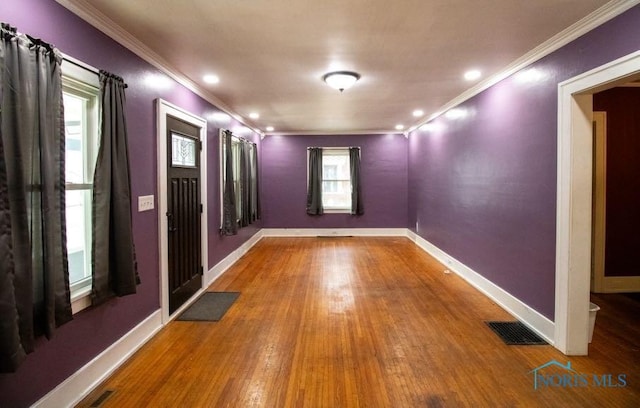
(80, 91)
(336, 180)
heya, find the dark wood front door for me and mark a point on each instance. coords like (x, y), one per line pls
(183, 211)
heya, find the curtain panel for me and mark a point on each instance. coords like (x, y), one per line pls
(34, 278)
(245, 185)
(314, 183)
(255, 185)
(240, 189)
(113, 253)
(357, 207)
(229, 213)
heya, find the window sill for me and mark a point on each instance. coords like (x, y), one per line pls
(81, 299)
(337, 210)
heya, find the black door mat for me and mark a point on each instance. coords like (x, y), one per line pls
(210, 307)
(515, 334)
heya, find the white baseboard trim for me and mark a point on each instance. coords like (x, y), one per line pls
(72, 390)
(534, 320)
(214, 273)
(621, 284)
(331, 232)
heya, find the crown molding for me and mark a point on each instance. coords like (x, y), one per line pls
(600, 16)
(86, 11)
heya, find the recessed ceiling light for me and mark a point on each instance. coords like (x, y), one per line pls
(254, 115)
(269, 128)
(211, 79)
(418, 112)
(472, 75)
(399, 127)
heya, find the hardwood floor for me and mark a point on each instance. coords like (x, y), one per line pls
(359, 322)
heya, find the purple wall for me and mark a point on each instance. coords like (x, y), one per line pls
(95, 329)
(383, 170)
(483, 188)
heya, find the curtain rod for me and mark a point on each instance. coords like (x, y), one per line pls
(86, 66)
(239, 137)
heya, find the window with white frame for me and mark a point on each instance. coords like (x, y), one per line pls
(336, 180)
(80, 89)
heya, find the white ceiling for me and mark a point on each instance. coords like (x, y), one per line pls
(270, 55)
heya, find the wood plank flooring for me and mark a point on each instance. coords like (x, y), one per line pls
(358, 322)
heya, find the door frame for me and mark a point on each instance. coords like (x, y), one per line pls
(163, 109)
(574, 199)
(599, 199)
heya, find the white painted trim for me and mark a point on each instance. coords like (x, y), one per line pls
(81, 300)
(521, 311)
(574, 180)
(72, 390)
(86, 11)
(621, 284)
(599, 200)
(221, 267)
(164, 108)
(338, 232)
(571, 33)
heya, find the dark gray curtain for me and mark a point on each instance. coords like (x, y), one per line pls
(113, 252)
(314, 184)
(357, 208)
(34, 278)
(255, 184)
(245, 184)
(229, 220)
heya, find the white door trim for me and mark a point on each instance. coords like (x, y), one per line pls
(599, 200)
(574, 195)
(165, 108)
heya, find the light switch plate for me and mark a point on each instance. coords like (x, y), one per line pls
(145, 203)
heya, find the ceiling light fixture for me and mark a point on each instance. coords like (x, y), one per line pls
(399, 127)
(269, 129)
(472, 75)
(418, 112)
(211, 79)
(341, 80)
(254, 115)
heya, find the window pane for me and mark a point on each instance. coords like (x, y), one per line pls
(75, 131)
(336, 180)
(336, 194)
(335, 167)
(183, 151)
(78, 205)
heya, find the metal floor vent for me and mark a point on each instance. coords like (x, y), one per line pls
(101, 399)
(334, 236)
(515, 333)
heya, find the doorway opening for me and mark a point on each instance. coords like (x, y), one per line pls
(574, 198)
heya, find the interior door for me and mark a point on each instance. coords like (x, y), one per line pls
(183, 211)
